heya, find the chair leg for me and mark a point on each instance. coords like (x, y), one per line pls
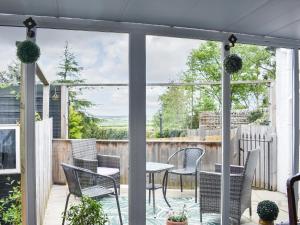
(250, 210)
(181, 183)
(119, 210)
(66, 207)
(196, 186)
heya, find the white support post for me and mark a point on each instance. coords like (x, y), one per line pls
(46, 95)
(226, 105)
(295, 124)
(64, 114)
(137, 129)
(28, 164)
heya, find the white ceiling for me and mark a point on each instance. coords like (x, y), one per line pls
(276, 18)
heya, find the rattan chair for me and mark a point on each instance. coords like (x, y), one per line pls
(240, 188)
(85, 155)
(96, 190)
(190, 159)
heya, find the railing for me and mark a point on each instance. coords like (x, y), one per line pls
(260, 137)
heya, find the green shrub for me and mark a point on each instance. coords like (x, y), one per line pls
(267, 210)
(87, 212)
(171, 133)
(11, 206)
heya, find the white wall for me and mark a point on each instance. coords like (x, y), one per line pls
(283, 116)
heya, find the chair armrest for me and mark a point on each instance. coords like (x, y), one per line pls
(175, 153)
(86, 164)
(110, 161)
(101, 180)
(233, 169)
(210, 184)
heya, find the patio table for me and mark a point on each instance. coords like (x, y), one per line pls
(151, 169)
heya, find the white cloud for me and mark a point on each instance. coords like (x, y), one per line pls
(104, 57)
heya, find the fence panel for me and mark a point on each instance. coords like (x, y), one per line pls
(263, 137)
(43, 143)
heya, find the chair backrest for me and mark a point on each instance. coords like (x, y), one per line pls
(250, 165)
(191, 155)
(72, 179)
(84, 149)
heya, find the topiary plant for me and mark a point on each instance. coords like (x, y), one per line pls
(267, 210)
(87, 212)
(28, 51)
(233, 63)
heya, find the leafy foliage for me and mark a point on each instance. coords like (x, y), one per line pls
(11, 206)
(88, 212)
(267, 210)
(180, 106)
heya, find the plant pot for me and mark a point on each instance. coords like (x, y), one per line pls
(265, 222)
(176, 223)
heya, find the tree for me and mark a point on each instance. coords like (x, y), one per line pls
(204, 64)
(70, 73)
(12, 76)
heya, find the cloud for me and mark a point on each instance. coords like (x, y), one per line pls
(104, 57)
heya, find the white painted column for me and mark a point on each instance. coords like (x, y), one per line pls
(137, 129)
(64, 113)
(46, 101)
(28, 164)
(295, 123)
(226, 105)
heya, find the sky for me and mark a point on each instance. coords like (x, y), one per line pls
(104, 58)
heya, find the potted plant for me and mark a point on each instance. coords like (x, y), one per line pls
(87, 212)
(267, 212)
(177, 218)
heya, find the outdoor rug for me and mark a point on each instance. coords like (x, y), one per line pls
(162, 211)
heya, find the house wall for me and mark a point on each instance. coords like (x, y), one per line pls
(283, 116)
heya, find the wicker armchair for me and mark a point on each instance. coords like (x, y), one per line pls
(96, 190)
(240, 189)
(191, 158)
(85, 156)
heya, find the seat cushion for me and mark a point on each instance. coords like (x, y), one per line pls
(183, 171)
(106, 171)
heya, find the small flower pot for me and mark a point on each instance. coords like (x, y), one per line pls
(176, 223)
(265, 222)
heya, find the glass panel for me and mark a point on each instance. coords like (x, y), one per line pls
(7, 149)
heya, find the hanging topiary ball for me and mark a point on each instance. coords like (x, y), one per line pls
(233, 63)
(28, 51)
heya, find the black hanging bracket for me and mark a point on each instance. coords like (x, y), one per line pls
(232, 40)
(30, 24)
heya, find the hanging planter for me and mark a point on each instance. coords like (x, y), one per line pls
(28, 51)
(233, 63)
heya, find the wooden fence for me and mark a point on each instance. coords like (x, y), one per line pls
(264, 138)
(157, 151)
(43, 142)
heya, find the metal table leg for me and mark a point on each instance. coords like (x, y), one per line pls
(165, 186)
(153, 193)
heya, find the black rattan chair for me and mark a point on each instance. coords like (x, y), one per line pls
(85, 156)
(96, 190)
(190, 159)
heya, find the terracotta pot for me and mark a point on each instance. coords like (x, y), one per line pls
(265, 222)
(176, 223)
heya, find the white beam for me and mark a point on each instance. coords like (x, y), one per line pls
(46, 101)
(28, 163)
(137, 129)
(64, 113)
(226, 105)
(148, 29)
(295, 124)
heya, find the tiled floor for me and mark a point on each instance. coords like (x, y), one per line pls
(58, 196)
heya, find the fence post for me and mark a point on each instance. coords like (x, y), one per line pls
(64, 112)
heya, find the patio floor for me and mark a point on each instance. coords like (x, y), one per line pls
(58, 196)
